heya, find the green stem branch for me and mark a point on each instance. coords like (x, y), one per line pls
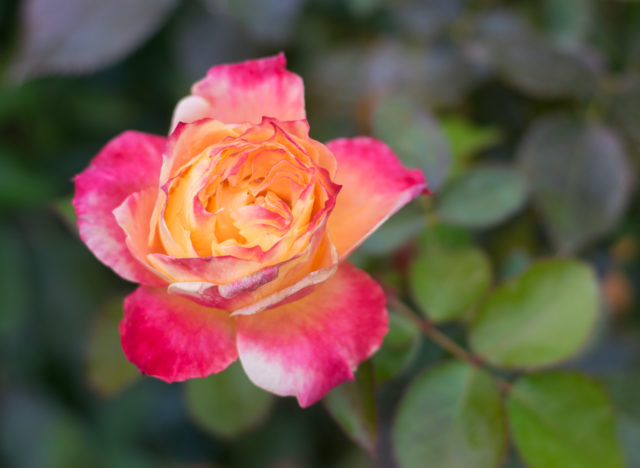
(429, 329)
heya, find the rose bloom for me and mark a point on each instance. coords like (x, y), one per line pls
(237, 228)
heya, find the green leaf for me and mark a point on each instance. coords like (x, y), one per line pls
(63, 208)
(536, 68)
(539, 318)
(447, 282)
(107, 369)
(568, 21)
(579, 177)
(399, 348)
(227, 404)
(624, 110)
(563, 419)
(353, 405)
(450, 417)
(396, 231)
(623, 387)
(483, 197)
(467, 139)
(440, 236)
(414, 136)
(79, 36)
(15, 282)
(20, 187)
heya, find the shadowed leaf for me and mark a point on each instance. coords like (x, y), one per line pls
(227, 404)
(107, 369)
(79, 36)
(579, 177)
(399, 348)
(450, 417)
(353, 405)
(483, 197)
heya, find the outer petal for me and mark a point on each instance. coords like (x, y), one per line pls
(307, 347)
(174, 339)
(374, 186)
(129, 163)
(250, 90)
(189, 109)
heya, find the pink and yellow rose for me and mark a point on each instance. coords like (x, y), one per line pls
(237, 227)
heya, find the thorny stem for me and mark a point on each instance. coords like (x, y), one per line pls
(431, 331)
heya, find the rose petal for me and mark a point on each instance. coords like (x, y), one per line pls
(307, 347)
(127, 164)
(248, 91)
(131, 216)
(175, 339)
(374, 186)
(189, 109)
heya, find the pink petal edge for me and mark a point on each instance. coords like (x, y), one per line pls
(248, 91)
(375, 185)
(174, 339)
(307, 347)
(127, 164)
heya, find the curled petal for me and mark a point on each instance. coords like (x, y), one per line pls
(305, 348)
(248, 91)
(127, 164)
(174, 339)
(190, 109)
(269, 286)
(374, 186)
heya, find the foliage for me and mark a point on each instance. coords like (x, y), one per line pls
(514, 326)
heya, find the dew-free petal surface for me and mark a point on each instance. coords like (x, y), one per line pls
(375, 185)
(305, 348)
(127, 164)
(248, 91)
(173, 338)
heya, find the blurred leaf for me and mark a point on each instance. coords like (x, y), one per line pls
(625, 110)
(18, 186)
(396, 231)
(442, 75)
(538, 318)
(354, 407)
(483, 197)
(399, 348)
(539, 70)
(426, 19)
(467, 139)
(514, 264)
(107, 369)
(623, 388)
(364, 8)
(450, 417)
(227, 404)
(563, 419)
(64, 209)
(265, 20)
(440, 236)
(204, 38)
(579, 176)
(414, 136)
(80, 36)
(447, 282)
(568, 21)
(36, 432)
(14, 281)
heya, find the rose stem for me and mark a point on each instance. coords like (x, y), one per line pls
(431, 331)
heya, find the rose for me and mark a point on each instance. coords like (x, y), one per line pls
(237, 227)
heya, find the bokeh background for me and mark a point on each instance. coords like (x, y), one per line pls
(523, 115)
